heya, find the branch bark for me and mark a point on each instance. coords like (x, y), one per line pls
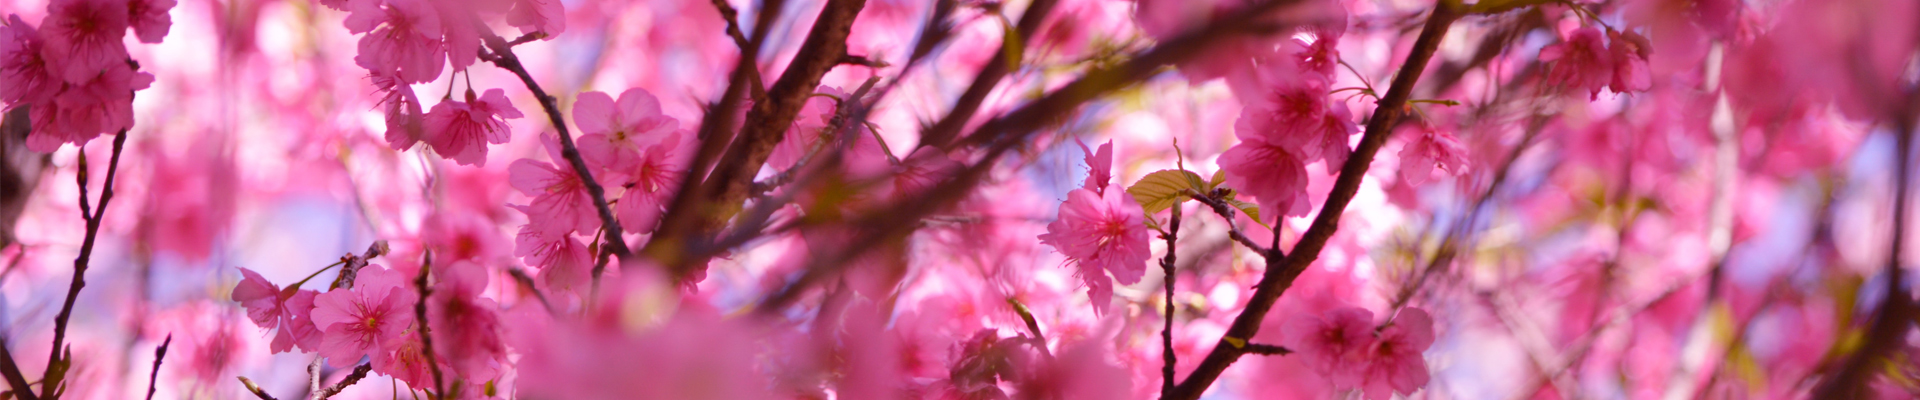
(1168, 359)
(1281, 271)
(989, 77)
(718, 198)
(49, 383)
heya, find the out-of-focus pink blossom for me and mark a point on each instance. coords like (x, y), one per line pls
(1080, 371)
(1394, 361)
(693, 355)
(1101, 233)
(1336, 344)
(401, 35)
(549, 17)
(1580, 62)
(25, 74)
(88, 109)
(563, 261)
(1429, 151)
(462, 130)
(467, 330)
(1629, 53)
(367, 320)
(287, 310)
(150, 18)
(83, 37)
(1273, 175)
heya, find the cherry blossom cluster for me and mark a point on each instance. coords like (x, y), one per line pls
(404, 42)
(74, 71)
(1343, 346)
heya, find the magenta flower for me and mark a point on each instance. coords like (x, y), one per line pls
(149, 18)
(544, 16)
(83, 37)
(613, 135)
(271, 307)
(1429, 151)
(405, 121)
(561, 204)
(404, 38)
(1099, 165)
(87, 110)
(1336, 344)
(1579, 62)
(466, 327)
(1395, 362)
(461, 130)
(563, 261)
(367, 320)
(1274, 176)
(1101, 232)
(1630, 73)
(25, 76)
(651, 181)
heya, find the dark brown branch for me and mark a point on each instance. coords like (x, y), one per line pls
(350, 264)
(1266, 349)
(526, 281)
(740, 39)
(358, 373)
(1226, 212)
(944, 131)
(255, 389)
(425, 331)
(153, 381)
(1281, 271)
(11, 370)
(49, 383)
(1166, 332)
(502, 56)
(1005, 133)
(718, 198)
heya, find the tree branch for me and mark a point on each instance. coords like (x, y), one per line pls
(1166, 332)
(1281, 271)
(502, 56)
(1008, 131)
(996, 69)
(718, 198)
(358, 373)
(11, 370)
(1226, 212)
(1266, 349)
(158, 354)
(49, 383)
(425, 332)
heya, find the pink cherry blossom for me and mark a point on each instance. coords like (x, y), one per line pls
(1580, 62)
(1335, 344)
(101, 105)
(406, 125)
(548, 17)
(564, 263)
(25, 74)
(1431, 150)
(83, 37)
(150, 18)
(1101, 233)
(1099, 166)
(613, 135)
(462, 130)
(560, 204)
(467, 328)
(401, 35)
(1394, 361)
(1629, 53)
(1274, 176)
(285, 311)
(367, 320)
(651, 180)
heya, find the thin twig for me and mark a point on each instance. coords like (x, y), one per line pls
(420, 316)
(943, 132)
(1281, 272)
(1039, 340)
(1226, 212)
(50, 384)
(153, 381)
(358, 373)
(1166, 331)
(11, 370)
(255, 389)
(502, 56)
(526, 281)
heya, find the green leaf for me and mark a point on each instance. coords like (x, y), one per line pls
(1252, 210)
(1219, 177)
(1164, 188)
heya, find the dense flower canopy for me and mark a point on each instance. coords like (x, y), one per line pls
(958, 199)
